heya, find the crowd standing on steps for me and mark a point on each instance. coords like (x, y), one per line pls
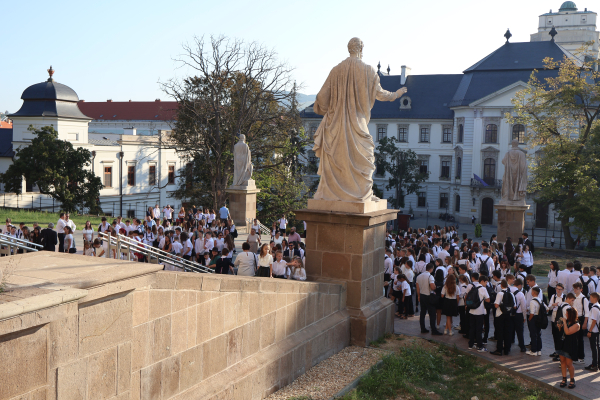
(483, 283)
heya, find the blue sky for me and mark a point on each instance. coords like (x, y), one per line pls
(119, 50)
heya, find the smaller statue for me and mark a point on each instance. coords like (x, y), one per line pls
(514, 182)
(242, 164)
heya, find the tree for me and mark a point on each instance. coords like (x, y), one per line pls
(562, 117)
(238, 88)
(58, 170)
(403, 167)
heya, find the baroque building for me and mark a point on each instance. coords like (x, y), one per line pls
(457, 124)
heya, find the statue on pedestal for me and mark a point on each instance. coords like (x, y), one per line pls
(342, 141)
(242, 164)
(514, 182)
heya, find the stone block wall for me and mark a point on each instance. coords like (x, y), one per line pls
(169, 335)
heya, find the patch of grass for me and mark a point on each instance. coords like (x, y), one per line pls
(380, 341)
(541, 262)
(300, 398)
(44, 218)
(441, 372)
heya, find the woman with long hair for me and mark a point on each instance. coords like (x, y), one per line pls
(552, 278)
(265, 262)
(474, 261)
(88, 232)
(451, 295)
(569, 326)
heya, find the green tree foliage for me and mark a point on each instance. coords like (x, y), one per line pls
(238, 89)
(58, 170)
(562, 116)
(403, 167)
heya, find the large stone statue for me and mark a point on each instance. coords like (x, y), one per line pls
(342, 141)
(242, 164)
(514, 182)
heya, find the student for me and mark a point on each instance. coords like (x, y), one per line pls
(569, 325)
(388, 269)
(529, 296)
(588, 285)
(593, 332)
(88, 250)
(477, 314)
(279, 266)
(396, 295)
(425, 295)
(299, 273)
(519, 318)
(535, 333)
(563, 277)
(556, 306)
(581, 304)
(464, 287)
(406, 296)
(573, 276)
(502, 322)
(553, 278)
(450, 294)
(98, 250)
(224, 264)
(439, 277)
(522, 275)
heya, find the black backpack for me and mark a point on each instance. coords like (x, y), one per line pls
(541, 320)
(492, 295)
(585, 289)
(507, 305)
(473, 301)
(483, 268)
(559, 312)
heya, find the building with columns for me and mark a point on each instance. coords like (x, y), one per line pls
(457, 126)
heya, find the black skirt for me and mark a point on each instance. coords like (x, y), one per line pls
(568, 346)
(450, 307)
(264, 272)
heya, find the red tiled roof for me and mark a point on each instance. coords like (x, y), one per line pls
(6, 125)
(130, 110)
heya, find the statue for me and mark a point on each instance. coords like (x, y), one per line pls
(242, 165)
(342, 141)
(514, 182)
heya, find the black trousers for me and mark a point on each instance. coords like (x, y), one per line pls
(486, 325)
(582, 333)
(476, 330)
(595, 346)
(408, 306)
(518, 327)
(61, 242)
(556, 335)
(427, 308)
(464, 325)
(502, 332)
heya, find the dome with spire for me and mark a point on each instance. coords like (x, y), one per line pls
(568, 6)
(49, 99)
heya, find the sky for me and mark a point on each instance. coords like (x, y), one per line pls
(120, 50)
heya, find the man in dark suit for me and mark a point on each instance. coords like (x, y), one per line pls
(291, 251)
(49, 238)
(528, 242)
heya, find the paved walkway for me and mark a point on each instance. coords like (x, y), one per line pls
(541, 368)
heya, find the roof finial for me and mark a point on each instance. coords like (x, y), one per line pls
(388, 70)
(552, 33)
(50, 72)
(507, 35)
(378, 66)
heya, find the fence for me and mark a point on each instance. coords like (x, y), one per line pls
(542, 237)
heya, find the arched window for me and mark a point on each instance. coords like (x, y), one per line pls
(458, 167)
(518, 132)
(491, 133)
(457, 203)
(489, 171)
(461, 132)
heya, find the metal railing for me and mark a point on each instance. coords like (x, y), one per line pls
(125, 245)
(263, 229)
(8, 244)
(489, 182)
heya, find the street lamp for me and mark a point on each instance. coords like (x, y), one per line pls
(427, 215)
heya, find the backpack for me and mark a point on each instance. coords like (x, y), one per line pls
(483, 268)
(492, 294)
(585, 289)
(507, 305)
(541, 320)
(473, 301)
(559, 312)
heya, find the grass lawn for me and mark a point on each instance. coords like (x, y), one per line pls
(419, 369)
(541, 262)
(44, 218)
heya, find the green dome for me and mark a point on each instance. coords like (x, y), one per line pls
(568, 6)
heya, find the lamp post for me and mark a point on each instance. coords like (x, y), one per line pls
(121, 154)
(427, 215)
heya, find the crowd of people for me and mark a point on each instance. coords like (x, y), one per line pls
(453, 276)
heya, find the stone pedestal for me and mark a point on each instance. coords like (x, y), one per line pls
(242, 203)
(349, 247)
(511, 221)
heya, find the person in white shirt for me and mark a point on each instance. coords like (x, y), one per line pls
(246, 261)
(582, 305)
(554, 305)
(553, 278)
(527, 259)
(587, 282)
(476, 315)
(156, 213)
(487, 263)
(406, 297)
(592, 331)
(200, 249)
(451, 294)
(388, 269)
(425, 296)
(529, 296)
(70, 222)
(535, 333)
(186, 252)
(220, 242)
(60, 230)
(474, 262)
(298, 271)
(444, 252)
(502, 322)
(464, 284)
(520, 316)
(168, 212)
(563, 277)
(177, 246)
(279, 267)
(282, 225)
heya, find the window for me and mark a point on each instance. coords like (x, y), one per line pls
(152, 175)
(491, 133)
(402, 134)
(489, 171)
(518, 132)
(28, 186)
(312, 157)
(443, 200)
(312, 130)
(107, 177)
(422, 199)
(461, 133)
(423, 164)
(447, 135)
(457, 204)
(445, 169)
(458, 167)
(171, 175)
(381, 132)
(424, 136)
(131, 175)
(379, 170)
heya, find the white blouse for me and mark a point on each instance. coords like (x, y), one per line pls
(265, 261)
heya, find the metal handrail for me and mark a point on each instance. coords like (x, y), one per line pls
(122, 241)
(263, 228)
(10, 243)
(7, 237)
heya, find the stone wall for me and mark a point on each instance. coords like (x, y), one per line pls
(167, 335)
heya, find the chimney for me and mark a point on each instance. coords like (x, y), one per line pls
(130, 131)
(157, 100)
(405, 73)
(109, 101)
